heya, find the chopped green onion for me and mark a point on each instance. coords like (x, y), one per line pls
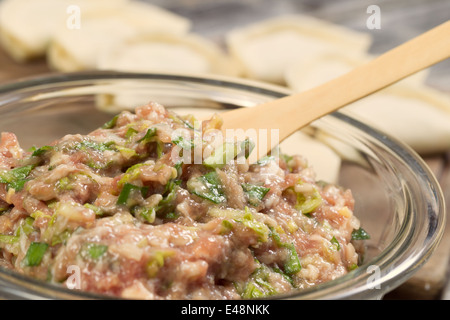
(181, 120)
(276, 237)
(127, 153)
(258, 285)
(26, 227)
(360, 234)
(4, 207)
(93, 250)
(35, 254)
(159, 149)
(255, 193)
(258, 227)
(94, 145)
(247, 147)
(286, 157)
(188, 124)
(156, 262)
(148, 214)
(208, 187)
(287, 160)
(130, 132)
(352, 267)
(166, 207)
(132, 173)
(149, 135)
(127, 190)
(111, 124)
(98, 164)
(16, 178)
(306, 202)
(41, 150)
(287, 277)
(40, 214)
(222, 155)
(7, 239)
(179, 168)
(292, 265)
(335, 244)
(245, 217)
(183, 143)
(61, 238)
(64, 184)
(265, 160)
(227, 226)
(98, 212)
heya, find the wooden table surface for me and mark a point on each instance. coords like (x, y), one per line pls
(401, 20)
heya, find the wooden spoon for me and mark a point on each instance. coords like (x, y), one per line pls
(293, 112)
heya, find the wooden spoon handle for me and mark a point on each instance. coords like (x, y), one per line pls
(293, 112)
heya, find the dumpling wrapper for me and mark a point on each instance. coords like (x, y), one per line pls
(410, 111)
(305, 75)
(168, 53)
(418, 116)
(75, 50)
(187, 54)
(27, 26)
(268, 48)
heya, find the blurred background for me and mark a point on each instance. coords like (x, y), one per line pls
(212, 22)
(400, 19)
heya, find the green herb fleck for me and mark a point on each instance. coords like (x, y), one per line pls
(111, 124)
(258, 285)
(183, 143)
(265, 160)
(255, 193)
(16, 178)
(149, 136)
(41, 151)
(222, 155)
(292, 264)
(35, 254)
(335, 244)
(127, 190)
(8, 239)
(360, 234)
(93, 251)
(208, 187)
(166, 207)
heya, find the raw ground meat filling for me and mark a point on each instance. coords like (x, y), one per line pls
(123, 210)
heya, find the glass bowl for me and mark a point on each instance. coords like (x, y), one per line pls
(398, 200)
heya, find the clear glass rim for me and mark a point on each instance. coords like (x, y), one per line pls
(343, 287)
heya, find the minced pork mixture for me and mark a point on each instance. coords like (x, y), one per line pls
(121, 212)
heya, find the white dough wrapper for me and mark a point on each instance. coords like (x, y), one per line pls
(409, 110)
(27, 26)
(75, 50)
(268, 48)
(188, 54)
(168, 53)
(305, 75)
(416, 115)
